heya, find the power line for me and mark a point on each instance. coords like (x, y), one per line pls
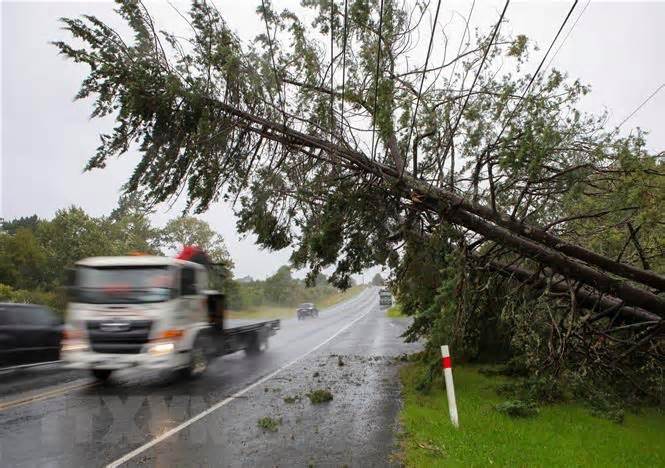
(641, 105)
(461, 42)
(332, 73)
(272, 58)
(422, 80)
(567, 34)
(489, 46)
(346, 11)
(533, 77)
(376, 77)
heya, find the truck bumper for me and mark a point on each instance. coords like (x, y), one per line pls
(92, 360)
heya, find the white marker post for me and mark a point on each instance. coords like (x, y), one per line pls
(450, 388)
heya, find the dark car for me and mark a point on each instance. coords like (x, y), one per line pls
(307, 310)
(28, 334)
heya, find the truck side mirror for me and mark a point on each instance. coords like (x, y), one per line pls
(187, 282)
(70, 277)
(70, 284)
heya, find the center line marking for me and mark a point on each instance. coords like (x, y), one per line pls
(45, 395)
(224, 402)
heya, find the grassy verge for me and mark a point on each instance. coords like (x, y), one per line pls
(340, 296)
(560, 435)
(395, 312)
(263, 313)
(274, 312)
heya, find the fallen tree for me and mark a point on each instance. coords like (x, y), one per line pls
(339, 152)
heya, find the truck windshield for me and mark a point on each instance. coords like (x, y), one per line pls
(125, 285)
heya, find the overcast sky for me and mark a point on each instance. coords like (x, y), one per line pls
(617, 47)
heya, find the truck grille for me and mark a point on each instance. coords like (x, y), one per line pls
(126, 337)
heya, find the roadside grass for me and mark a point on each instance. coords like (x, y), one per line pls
(269, 424)
(340, 296)
(395, 312)
(560, 435)
(263, 313)
(272, 312)
(319, 396)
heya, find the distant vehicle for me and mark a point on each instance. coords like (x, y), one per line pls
(151, 312)
(307, 310)
(385, 298)
(29, 334)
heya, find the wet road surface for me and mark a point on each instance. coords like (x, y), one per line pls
(50, 417)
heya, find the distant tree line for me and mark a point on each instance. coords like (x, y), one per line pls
(34, 254)
(280, 289)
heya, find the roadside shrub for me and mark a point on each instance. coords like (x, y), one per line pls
(541, 389)
(319, 396)
(269, 424)
(53, 300)
(518, 408)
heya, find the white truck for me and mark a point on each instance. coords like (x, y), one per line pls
(151, 312)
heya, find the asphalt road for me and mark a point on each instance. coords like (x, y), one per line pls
(50, 417)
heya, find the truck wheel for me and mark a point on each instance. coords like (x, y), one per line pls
(102, 374)
(198, 360)
(258, 344)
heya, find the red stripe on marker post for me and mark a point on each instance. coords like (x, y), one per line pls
(446, 365)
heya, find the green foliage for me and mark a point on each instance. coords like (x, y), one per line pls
(395, 311)
(280, 289)
(539, 389)
(23, 260)
(70, 236)
(319, 396)
(55, 300)
(132, 229)
(517, 408)
(188, 230)
(565, 434)
(518, 46)
(27, 222)
(269, 424)
(34, 253)
(378, 280)
(206, 115)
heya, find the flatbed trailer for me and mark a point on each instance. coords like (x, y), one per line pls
(251, 338)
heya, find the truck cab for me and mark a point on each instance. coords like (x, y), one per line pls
(134, 311)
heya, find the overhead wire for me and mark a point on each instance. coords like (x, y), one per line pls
(272, 58)
(376, 78)
(475, 79)
(563, 41)
(346, 12)
(641, 105)
(420, 91)
(332, 72)
(533, 77)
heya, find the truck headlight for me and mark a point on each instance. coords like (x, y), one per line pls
(161, 349)
(74, 346)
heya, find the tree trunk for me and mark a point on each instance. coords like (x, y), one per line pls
(529, 241)
(585, 296)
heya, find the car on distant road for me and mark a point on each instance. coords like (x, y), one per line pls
(29, 334)
(307, 310)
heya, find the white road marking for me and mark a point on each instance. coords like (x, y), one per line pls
(45, 395)
(224, 402)
(26, 366)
